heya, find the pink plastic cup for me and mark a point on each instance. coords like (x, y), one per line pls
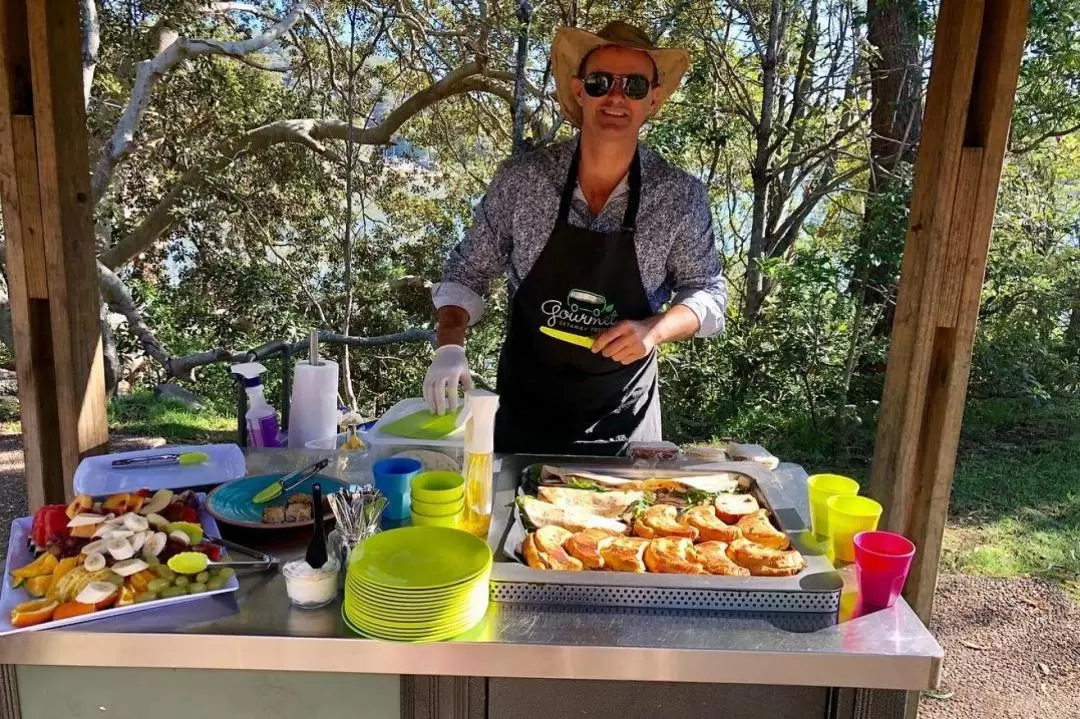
(882, 561)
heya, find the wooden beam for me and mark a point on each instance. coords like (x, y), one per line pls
(51, 265)
(965, 130)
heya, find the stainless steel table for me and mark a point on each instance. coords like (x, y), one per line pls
(524, 661)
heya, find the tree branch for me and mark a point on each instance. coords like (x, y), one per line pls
(91, 33)
(149, 72)
(309, 132)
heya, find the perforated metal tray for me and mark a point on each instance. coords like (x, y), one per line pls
(815, 590)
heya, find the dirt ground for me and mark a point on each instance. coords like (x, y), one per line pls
(1012, 646)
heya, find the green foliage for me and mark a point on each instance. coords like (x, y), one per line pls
(143, 414)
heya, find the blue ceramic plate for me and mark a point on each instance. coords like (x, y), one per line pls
(231, 502)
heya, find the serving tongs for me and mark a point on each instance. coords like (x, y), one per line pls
(262, 560)
(282, 485)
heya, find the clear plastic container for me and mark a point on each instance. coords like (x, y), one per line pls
(384, 445)
(353, 465)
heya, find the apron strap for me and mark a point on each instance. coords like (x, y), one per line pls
(629, 223)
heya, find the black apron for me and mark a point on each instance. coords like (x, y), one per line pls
(559, 398)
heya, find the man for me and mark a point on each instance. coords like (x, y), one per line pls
(597, 235)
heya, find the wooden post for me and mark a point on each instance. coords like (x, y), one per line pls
(51, 260)
(965, 132)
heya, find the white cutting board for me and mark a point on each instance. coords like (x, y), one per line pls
(97, 477)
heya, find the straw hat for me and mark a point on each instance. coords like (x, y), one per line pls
(572, 44)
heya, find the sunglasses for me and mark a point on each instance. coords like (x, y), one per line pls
(635, 87)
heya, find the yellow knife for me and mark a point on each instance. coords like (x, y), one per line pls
(586, 342)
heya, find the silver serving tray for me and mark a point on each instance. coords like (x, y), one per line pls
(814, 590)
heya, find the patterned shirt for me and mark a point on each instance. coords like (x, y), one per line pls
(676, 250)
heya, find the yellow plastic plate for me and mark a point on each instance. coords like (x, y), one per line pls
(419, 558)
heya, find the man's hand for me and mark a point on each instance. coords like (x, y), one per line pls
(448, 370)
(628, 341)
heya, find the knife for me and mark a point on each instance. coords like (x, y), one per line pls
(278, 487)
(580, 340)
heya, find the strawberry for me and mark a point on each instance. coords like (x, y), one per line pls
(189, 515)
(212, 551)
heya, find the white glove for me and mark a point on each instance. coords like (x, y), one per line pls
(447, 371)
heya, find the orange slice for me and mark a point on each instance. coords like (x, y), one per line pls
(33, 612)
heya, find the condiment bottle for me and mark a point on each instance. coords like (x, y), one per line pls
(480, 408)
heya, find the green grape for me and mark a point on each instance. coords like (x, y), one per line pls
(156, 585)
(115, 579)
(202, 577)
(164, 572)
(226, 572)
(152, 561)
(181, 581)
(215, 584)
(171, 592)
(145, 597)
(196, 588)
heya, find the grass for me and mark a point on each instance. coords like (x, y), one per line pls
(144, 415)
(1015, 508)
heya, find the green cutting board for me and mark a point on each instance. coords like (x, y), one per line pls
(423, 425)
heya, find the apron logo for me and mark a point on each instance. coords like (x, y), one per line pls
(582, 311)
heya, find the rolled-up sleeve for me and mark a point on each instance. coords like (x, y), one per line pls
(483, 255)
(694, 270)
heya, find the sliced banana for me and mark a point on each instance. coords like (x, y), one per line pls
(119, 534)
(154, 544)
(95, 592)
(102, 530)
(129, 566)
(94, 562)
(82, 520)
(136, 522)
(180, 536)
(120, 548)
(99, 546)
(139, 539)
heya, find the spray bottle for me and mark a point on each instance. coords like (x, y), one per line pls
(479, 414)
(262, 422)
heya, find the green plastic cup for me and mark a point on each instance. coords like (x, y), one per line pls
(820, 488)
(849, 515)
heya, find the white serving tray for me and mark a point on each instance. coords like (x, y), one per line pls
(97, 477)
(19, 553)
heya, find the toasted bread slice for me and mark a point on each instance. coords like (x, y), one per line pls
(758, 529)
(765, 561)
(672, 555)
(624, 554)
(713, 556)
(661, 521)
(585, 546)
(732, 507)
(709, 526)
(543, 550)
(602, 504)
(574, 519)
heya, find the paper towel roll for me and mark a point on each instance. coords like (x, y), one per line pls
(313, 412)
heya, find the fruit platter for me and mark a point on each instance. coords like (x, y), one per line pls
(98, 557)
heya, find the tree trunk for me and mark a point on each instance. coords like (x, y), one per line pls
(759, 172)
(895, 126)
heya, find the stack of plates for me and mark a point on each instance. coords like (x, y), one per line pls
(417, 584)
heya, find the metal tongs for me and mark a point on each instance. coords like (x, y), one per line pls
(262, 560)
(281, 486)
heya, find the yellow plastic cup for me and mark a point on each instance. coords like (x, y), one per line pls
(820, 488)
(849, 515)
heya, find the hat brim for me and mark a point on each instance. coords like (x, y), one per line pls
(571, 44)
